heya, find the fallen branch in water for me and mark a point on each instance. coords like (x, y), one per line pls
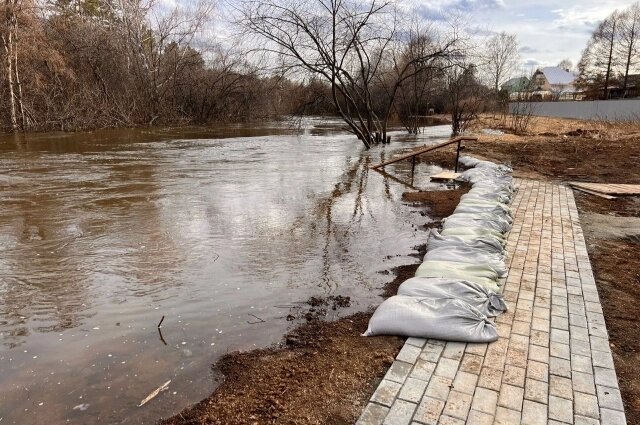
(161, 320)
(155, 392)
(253, 323)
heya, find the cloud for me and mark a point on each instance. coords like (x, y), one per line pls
(531, 62)
(528, 50)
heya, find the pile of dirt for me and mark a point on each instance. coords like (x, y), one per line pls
(439, 203)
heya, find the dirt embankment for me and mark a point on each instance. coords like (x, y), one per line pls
(322, 373)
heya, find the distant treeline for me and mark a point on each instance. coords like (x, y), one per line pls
(74, 65)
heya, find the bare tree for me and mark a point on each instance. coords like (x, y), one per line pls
(599, 62)
(628, 48)
(347, 43)
(9, 42)
(566, 64)
(149, 32)
(501, 58)
(465, 95)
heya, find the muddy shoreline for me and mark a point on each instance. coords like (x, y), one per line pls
(322, 371)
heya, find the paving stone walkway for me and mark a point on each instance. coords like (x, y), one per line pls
(552, 363)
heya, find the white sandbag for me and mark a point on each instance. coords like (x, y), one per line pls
(488, 221)
(487, 302)
(472, 232)
(482, 274)
(497, 209)
(436, 240)
(468, 256)
(470, 201)
(503, 224)
(469, 161)
(478, 176)
(443, 318)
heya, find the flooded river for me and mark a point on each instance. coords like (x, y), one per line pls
(223, 233)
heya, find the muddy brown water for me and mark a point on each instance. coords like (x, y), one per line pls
(222, 232)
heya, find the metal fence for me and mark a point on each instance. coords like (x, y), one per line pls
(610, 110)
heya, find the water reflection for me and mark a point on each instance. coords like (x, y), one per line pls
(102, 234)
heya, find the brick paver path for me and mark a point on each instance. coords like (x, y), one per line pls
(552, 363)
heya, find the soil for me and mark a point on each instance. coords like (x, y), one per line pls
(439, 203)
(560, 155)
(317, 377)
(324, 372)
(614, 250)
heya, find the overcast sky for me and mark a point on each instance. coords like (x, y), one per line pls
(548, 30)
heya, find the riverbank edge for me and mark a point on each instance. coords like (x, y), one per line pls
(322, 371)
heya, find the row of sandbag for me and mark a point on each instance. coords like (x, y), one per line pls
(456, 288)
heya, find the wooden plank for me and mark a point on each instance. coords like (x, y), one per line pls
(445, 175)
(591, 192)
(610, 189)
(422, 150)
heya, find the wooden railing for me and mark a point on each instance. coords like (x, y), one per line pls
(425, 149)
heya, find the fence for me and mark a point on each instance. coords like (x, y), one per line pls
(610, 110)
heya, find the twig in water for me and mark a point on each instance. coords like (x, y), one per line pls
(161, 320)
(154, 393)
(253, 323)
(161, 338)
(259, 319)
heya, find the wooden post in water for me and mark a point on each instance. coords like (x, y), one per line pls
(413, 168)
(457, 156)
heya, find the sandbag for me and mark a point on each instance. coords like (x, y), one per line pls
(490, 204)
(469, 256)
(485, 301)
(501, 223)
(493, 223)
(496, 209)
(474, 232)
(479, 273)
(442, 318)
(436, 240)
(469, 161)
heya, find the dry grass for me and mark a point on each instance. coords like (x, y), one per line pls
(550, 127)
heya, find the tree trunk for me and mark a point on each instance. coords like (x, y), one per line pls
(606, 79)
(7, 40)
(17, 74)
(629, 54)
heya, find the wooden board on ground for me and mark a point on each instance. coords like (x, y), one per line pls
(609, 188)
(445, 176)
(591, 192)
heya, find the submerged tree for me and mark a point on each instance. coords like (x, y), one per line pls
(466, 95)
(353, 45)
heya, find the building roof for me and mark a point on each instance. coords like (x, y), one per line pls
(517, 83)
(557, 76)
